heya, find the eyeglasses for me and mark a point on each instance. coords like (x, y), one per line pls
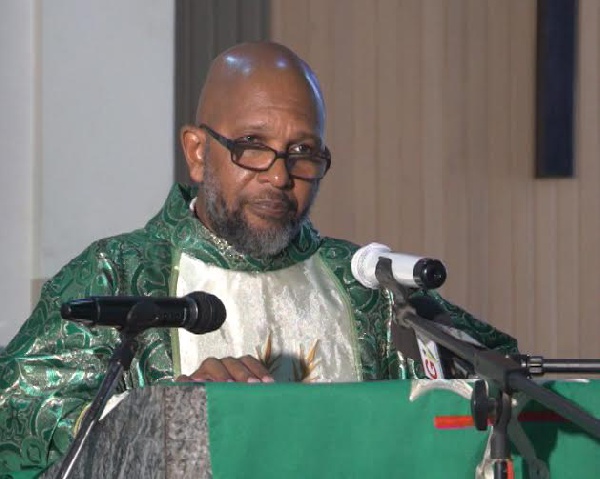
(259, 157)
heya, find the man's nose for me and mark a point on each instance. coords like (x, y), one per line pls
(277, 174)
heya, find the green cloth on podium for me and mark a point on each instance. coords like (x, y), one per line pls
(373, 430)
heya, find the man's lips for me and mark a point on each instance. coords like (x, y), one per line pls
(272, 208)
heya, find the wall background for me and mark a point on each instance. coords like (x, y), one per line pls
(431, 123)
(86, 136)
(106, 114)
(17, 151)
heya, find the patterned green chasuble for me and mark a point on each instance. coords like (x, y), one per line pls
(51, 370)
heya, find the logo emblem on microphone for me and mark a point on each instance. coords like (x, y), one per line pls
(431, 359)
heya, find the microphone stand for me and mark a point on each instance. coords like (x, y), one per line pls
(505, 373)
(538, 366)
(118, 364)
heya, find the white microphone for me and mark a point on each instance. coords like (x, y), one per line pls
(408, 270)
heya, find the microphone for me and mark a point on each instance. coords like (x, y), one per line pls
(408, 270)
(412, 271)
(197, 312)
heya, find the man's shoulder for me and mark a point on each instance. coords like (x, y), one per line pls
(337, 255)
(107, 261)
(116, 245)
(134, 238)
(337, 248)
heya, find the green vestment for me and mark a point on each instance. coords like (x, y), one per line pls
(51, 370)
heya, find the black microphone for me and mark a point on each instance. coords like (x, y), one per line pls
(409, 270)
(197, 312)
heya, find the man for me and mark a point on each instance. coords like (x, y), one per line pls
(294, 310)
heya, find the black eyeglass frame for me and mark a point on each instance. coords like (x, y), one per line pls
(233, 145)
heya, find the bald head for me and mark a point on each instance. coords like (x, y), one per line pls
(255, 69)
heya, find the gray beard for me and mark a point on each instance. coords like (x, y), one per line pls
(233, 226)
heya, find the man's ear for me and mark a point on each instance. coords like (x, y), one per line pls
(193, 141)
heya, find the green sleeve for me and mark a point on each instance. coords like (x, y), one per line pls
(481, 331)
(52, 369)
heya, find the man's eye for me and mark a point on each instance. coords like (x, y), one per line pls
(249, 139)
(302, 149)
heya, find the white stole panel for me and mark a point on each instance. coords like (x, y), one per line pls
(295, 320)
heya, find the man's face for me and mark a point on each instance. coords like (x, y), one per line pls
(259, 213)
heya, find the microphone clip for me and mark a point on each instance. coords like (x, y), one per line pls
(383, 273)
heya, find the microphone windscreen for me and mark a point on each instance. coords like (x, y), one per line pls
(211, 313)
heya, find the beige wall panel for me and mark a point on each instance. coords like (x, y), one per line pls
(290, 22)
(456, 199)
(390, 164)
(365, 155)
(545, 251)
(431, 124)
(341, 182)
(410, 175)
(567, 267)
(499, 74)
(522, 131)
(476, 172)
(588, 173)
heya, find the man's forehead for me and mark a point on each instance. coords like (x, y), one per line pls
(258, 75)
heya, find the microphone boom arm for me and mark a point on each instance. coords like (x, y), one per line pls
(504, 372)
